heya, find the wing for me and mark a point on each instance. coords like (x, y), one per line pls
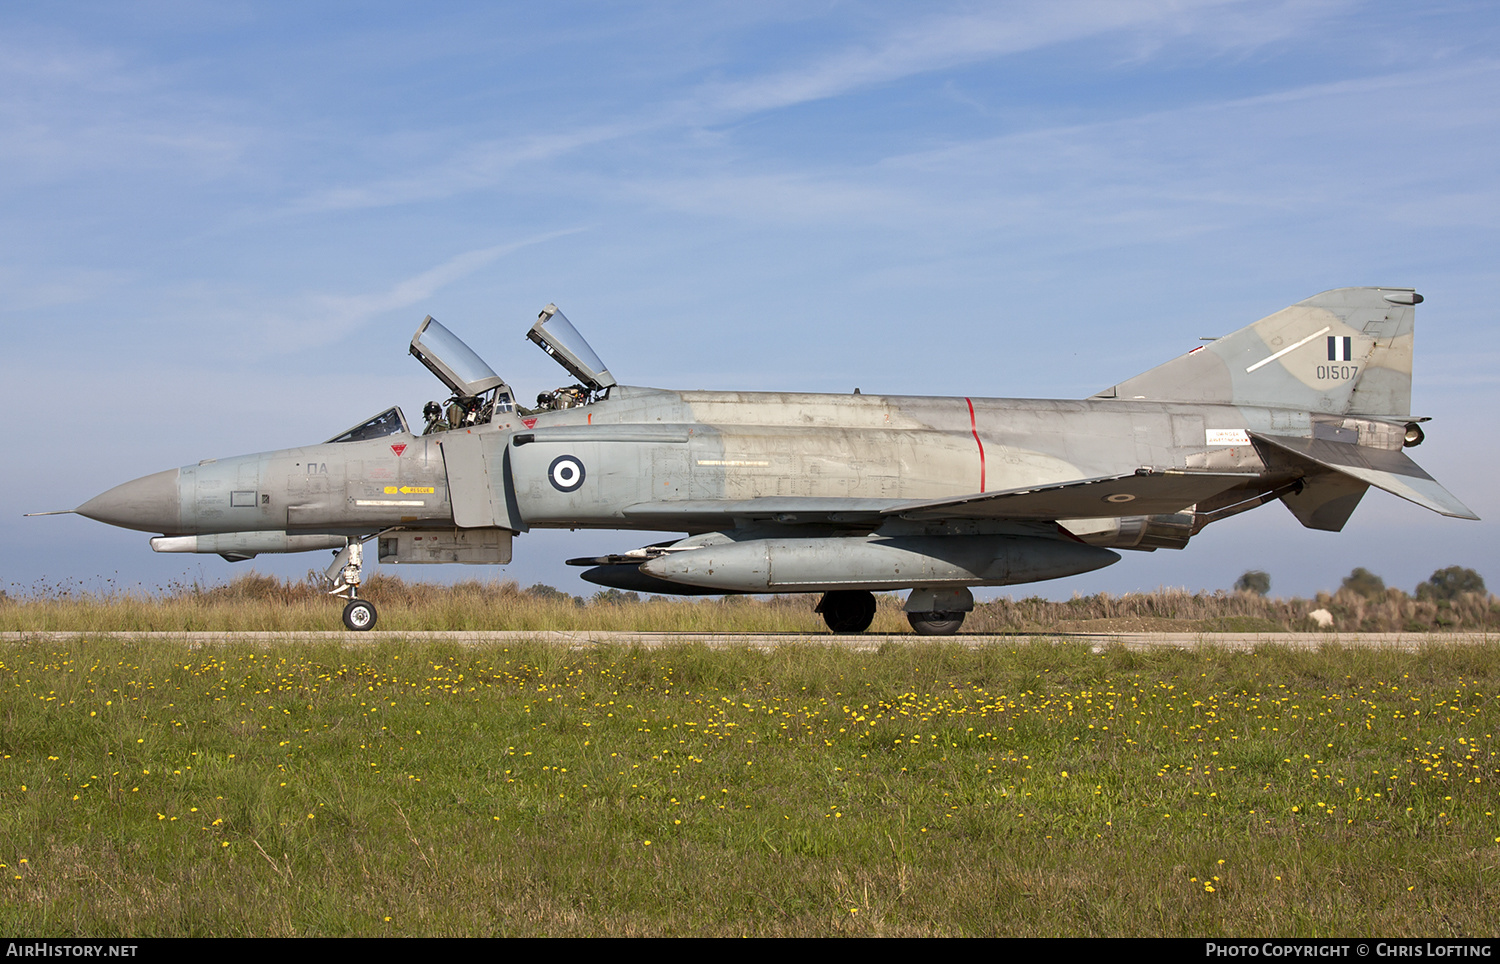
(1152, 493)
(1104, 497)
(706, 514)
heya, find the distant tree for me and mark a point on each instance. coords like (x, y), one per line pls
(1254, 580)
(1365, 583)
(613, 597)
(544, 591)
(1446, 584)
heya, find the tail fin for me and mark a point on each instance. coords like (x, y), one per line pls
(1344, 352)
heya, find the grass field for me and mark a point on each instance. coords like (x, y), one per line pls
(420, 789)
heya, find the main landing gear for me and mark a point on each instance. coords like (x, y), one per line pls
(847, 611)
(931, 612)
(935, 624)
(938, 611)
(359, 614)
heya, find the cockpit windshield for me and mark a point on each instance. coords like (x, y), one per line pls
(558, 338)
(388, 422)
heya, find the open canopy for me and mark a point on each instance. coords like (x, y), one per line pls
(558, 338)
(447, 357)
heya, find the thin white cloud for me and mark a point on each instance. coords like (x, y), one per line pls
(471, 168)
(945, 42)
(68, 109)
(35, 288)
(408, 291)
(330, 317)
(248, 325)
(1346, 142)
(905, 49)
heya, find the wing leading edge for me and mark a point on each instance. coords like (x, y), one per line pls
(1097, 498)
(1140, 493)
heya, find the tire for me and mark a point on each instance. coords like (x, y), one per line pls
(360, 615)
(935, 624)
(848, 611)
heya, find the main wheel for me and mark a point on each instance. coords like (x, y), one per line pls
(848, 610)
(935, 624)
(360, 615)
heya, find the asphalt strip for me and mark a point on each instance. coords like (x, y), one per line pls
(866, 642)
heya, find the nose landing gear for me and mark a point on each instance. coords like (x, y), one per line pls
(359, 614)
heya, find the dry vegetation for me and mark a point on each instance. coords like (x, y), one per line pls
(1177, 610)
(258, 602)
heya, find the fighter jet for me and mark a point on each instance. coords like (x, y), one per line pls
(843, 495)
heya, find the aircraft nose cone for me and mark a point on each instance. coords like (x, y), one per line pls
(149, 503)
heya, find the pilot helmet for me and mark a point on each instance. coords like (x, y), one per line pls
(431, 411)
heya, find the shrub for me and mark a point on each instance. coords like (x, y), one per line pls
(1255, 581)
(1448, 584)
(1365, 583)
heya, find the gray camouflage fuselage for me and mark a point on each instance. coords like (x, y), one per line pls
(812, 492)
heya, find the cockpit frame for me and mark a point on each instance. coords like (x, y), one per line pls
(389, 422)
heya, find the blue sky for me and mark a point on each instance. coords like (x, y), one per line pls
(223, 222)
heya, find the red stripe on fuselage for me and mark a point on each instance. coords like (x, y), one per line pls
(974, 427)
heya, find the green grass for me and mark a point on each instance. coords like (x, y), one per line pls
(405, 788)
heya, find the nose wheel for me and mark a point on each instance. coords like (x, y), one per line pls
(360, 615)
(345, 574)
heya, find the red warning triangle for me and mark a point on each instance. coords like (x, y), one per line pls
(398, 449)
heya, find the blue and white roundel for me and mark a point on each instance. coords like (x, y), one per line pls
(565, 473)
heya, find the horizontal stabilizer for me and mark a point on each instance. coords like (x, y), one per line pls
(1382, 468)
(1110, 497)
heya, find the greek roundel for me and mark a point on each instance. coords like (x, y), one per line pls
(565, 473)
